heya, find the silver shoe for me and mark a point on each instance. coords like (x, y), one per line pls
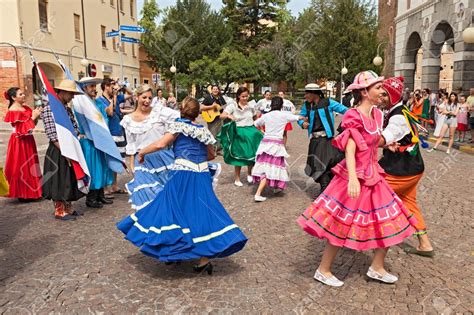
(387, 278)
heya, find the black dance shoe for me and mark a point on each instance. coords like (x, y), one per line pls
(207, 267)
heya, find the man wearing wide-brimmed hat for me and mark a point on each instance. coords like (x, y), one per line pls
(322, 156)
(101, 175)
(59, 178)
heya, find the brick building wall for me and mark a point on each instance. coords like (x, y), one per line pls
(387, 11)
(11, 75)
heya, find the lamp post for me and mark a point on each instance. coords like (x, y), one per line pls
(84, 61)
(378, 61)
(173, 70)
(344, 71)
(468, 33)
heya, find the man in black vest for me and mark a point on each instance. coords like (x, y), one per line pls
(405, 167)
(322, 156)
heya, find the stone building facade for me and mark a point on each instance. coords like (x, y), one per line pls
(430, 25)
(387, 12)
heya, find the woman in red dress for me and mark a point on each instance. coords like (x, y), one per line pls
(22, 168)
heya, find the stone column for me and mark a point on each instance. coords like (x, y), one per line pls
(430, 71)
(406, 70)
(463, 66)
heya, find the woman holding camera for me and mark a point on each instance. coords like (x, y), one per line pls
(450, 110)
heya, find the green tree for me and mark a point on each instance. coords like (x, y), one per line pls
(344, 30)
(253, 22)
(189, 31)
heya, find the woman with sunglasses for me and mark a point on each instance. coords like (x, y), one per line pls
(142, 127)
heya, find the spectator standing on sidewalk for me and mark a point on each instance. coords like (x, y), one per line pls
(470, 102)
(462, 119)
(451, 111)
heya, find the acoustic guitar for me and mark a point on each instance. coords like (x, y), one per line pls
(211, 114)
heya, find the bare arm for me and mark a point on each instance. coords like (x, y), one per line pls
(132, 163)
(353, 187)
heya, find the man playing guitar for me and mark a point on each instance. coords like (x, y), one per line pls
(213, 103)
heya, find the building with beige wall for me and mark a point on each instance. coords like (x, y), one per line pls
(75, 30)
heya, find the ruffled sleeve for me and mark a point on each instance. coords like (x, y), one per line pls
(352, 126)
(199, 133)
(22, 121)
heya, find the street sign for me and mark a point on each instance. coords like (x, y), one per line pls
(129, 40)
(129, 28)
(155, 77)
(92, 70)
(112, 34)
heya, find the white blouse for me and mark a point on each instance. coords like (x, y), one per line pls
(143, 133)
(275, 122)
(243, 117)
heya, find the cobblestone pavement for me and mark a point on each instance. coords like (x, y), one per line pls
(86, 267)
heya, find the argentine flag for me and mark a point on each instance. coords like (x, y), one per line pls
(95, 127)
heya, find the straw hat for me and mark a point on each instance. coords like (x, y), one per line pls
(68, 85)
(89, 81)
(364, 79)
(313, 88)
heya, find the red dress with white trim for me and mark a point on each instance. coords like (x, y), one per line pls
(22, 168)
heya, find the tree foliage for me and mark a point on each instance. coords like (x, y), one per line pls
(253, 22)
(189, 31)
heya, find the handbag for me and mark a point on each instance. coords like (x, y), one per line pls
(4, 187)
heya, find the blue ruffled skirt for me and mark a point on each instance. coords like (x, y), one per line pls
(149, 178)
(185, 221)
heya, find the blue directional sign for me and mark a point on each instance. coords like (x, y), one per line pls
(129, 28)
(112, 34)
(130, 40)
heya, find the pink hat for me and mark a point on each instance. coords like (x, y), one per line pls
(365, 79)
(394, 88)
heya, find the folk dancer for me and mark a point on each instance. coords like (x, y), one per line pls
(359, 210)
(185, 221)
(405, 167)
(322, 156)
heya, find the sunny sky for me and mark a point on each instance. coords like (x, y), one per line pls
(295, 6)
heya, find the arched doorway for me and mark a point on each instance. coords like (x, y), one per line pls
(410, 60)
(438, 58)
(53, 73)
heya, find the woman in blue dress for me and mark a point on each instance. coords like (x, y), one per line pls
(185, 221)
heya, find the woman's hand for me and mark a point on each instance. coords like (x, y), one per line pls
(231, 117)
(140, 158)
(36, 113)
(393, 146)
(353, 188)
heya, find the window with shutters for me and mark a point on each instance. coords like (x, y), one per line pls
(77, 27)
(43, 14)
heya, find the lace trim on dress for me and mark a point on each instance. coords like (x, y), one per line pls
(199, 133)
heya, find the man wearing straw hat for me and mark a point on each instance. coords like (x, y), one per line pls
(60, 183)
(322, 156)
(101, 175)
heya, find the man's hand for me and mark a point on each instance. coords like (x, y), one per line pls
(305, 125)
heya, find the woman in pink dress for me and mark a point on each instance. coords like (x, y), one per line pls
(22, 168)
(358, 209)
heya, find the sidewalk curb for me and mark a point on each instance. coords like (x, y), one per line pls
(463, 148)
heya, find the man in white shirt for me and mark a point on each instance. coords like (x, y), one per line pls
(404, 168)
(158, 99)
